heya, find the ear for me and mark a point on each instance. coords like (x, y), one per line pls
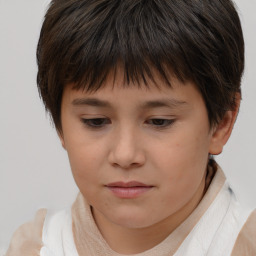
(61, 137)
(222, 131)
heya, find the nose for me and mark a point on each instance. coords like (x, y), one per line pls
(127, 149)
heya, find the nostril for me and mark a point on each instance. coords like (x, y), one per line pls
(129, 164)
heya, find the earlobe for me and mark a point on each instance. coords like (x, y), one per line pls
(61, 137)
(222, 131)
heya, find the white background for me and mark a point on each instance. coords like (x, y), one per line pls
(34, 169)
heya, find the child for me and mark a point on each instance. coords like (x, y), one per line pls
(142, 95)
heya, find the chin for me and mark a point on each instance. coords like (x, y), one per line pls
(132, 220)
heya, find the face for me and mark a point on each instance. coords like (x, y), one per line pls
(138, 156)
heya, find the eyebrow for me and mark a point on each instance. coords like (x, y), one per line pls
(170, 103)
(91, 102)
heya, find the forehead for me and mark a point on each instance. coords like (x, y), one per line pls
(115, 93)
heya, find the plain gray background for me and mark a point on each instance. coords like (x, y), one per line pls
(34, 169)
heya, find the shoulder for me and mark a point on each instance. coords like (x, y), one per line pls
(246, 241)
(27, 240)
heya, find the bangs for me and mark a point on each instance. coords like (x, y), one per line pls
(128, 37)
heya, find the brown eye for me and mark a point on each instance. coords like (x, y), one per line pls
(161, 123)
(95, 122)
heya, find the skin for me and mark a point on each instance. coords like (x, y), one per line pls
(127, 143)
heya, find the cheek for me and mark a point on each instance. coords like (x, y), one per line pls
(182, 152)
(85, 160)
(183, 163)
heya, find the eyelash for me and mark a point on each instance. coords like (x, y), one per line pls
(88, 122)
(104, 121)
(168, 122)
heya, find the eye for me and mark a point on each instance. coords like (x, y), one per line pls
(95, 122)
(160, 122)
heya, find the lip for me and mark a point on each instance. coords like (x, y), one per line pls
(127, 184)
(128, 190)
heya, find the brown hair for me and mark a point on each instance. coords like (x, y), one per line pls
(81, 41)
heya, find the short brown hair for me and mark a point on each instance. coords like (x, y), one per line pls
(81, 41)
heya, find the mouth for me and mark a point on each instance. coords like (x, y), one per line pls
(128, 190)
